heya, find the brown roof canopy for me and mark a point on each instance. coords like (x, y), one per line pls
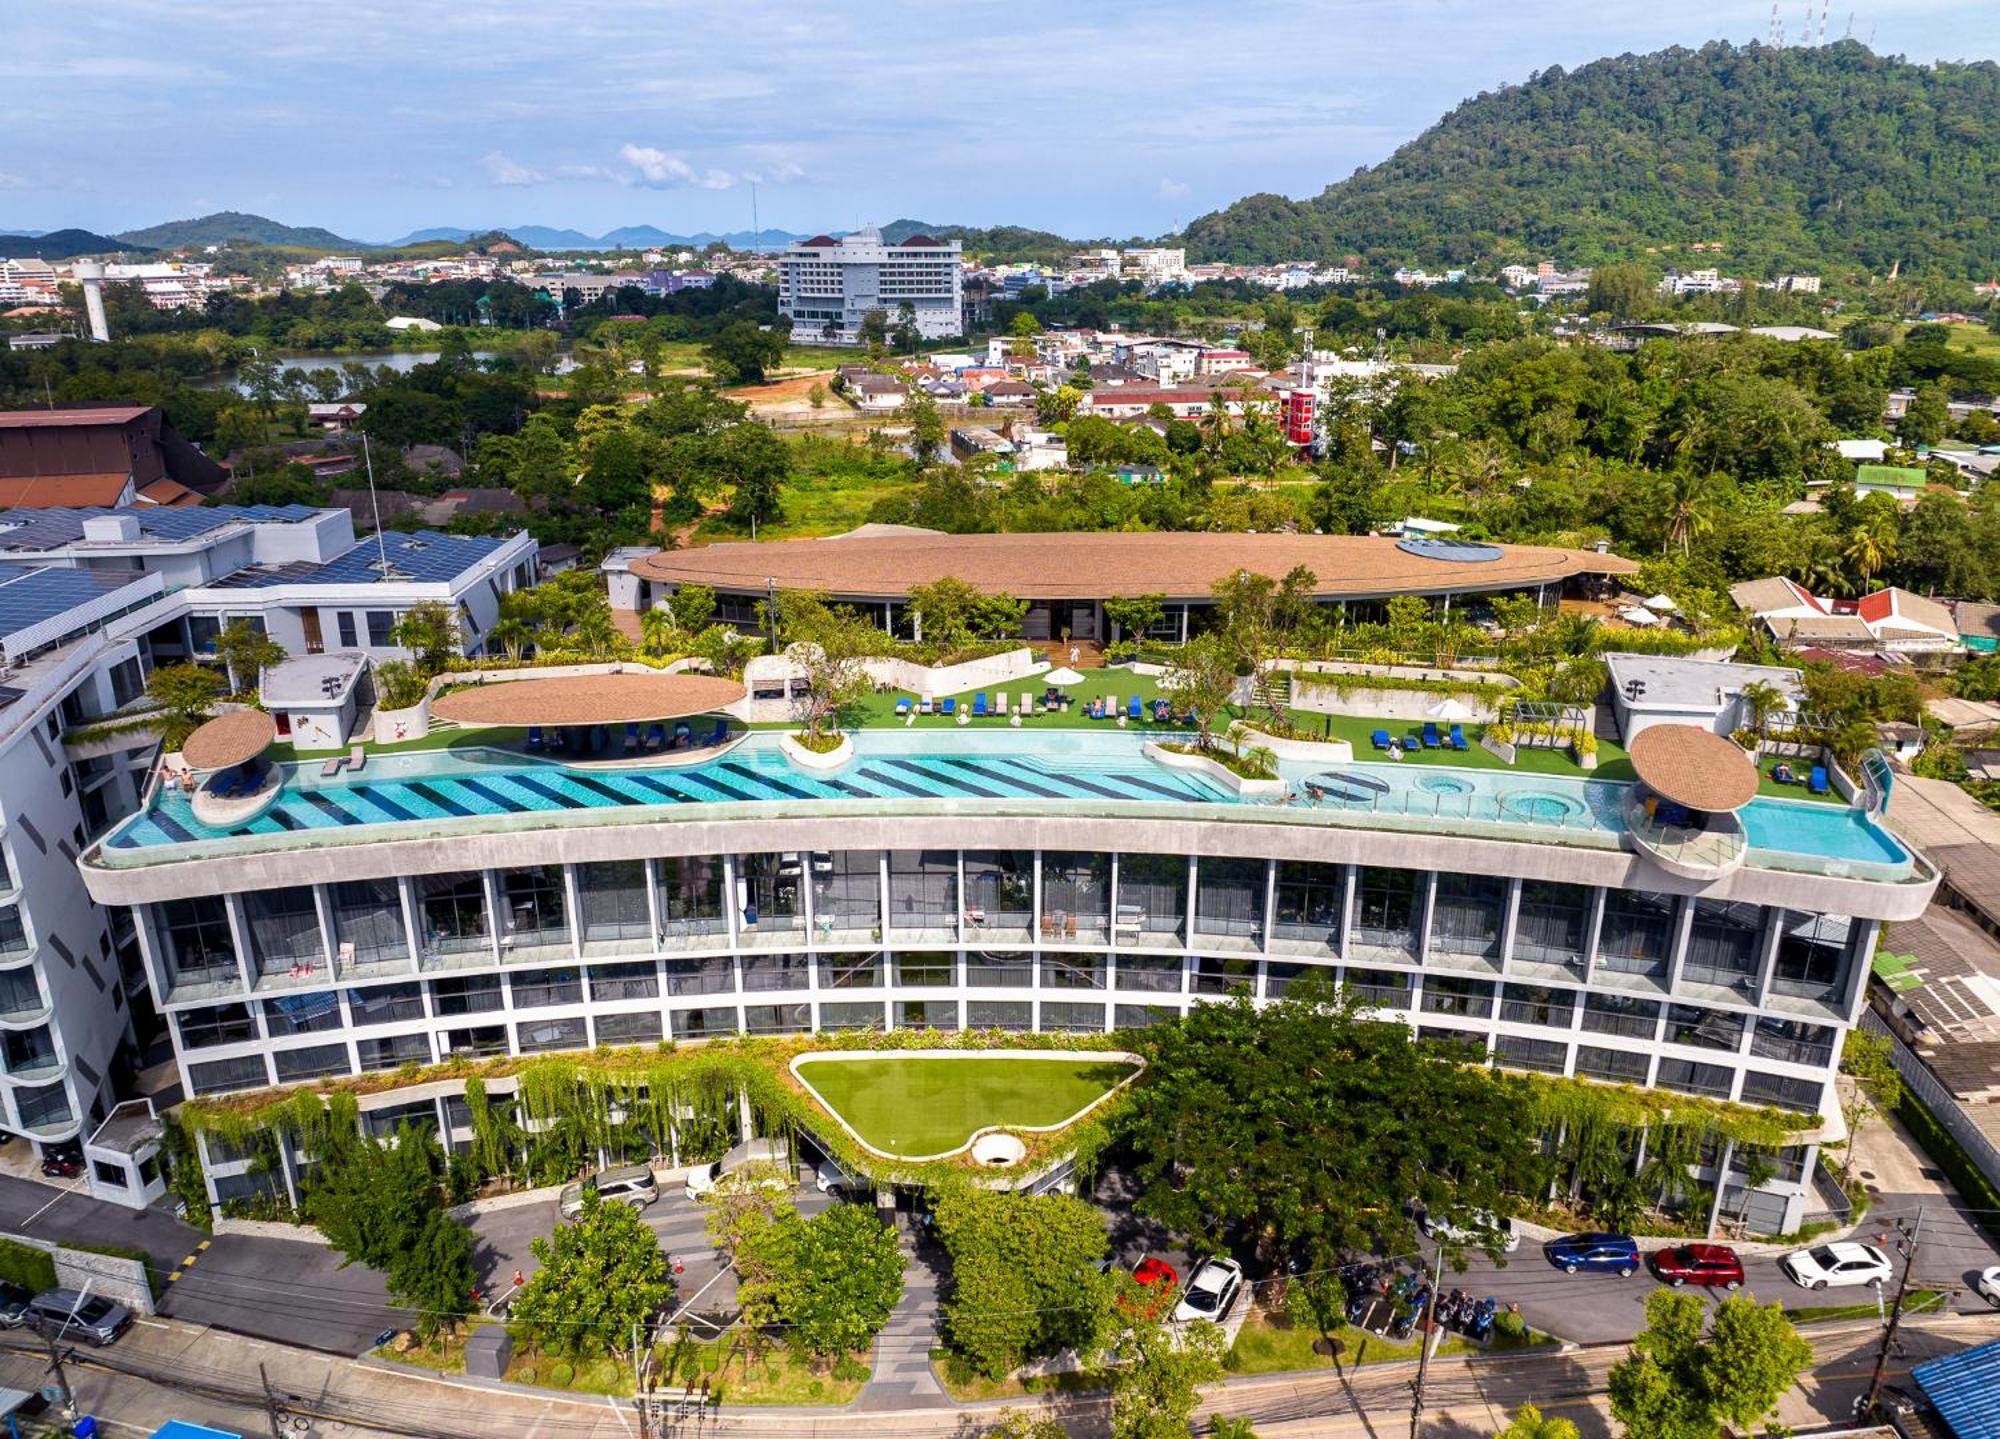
(1693, 767)
(230, 739)
(587, 699)
(1085, 565)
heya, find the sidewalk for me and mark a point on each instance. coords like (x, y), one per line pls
(903, 1377)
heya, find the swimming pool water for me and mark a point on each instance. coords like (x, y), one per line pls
(1073, 766)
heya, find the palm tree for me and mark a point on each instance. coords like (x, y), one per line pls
(656, 631)
(1760, 699)
(1687, 511)
(510, 635)
(594, 634)
(1869, 548)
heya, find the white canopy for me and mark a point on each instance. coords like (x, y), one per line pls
(1662, 603)
(1449, 709)
(1637, 615)
(1063, 676)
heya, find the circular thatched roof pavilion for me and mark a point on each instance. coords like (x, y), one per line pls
(230, 739)
(1693, 767)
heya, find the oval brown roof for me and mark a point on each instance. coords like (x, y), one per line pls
(230, 739)
(587, 699)
(1099, 565)
(1693, 767)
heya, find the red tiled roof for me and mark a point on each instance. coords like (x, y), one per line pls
(43, 419)
(820, 240)
(1877, 607)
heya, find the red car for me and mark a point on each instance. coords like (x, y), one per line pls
(1709, 1264)
(1157, 1281)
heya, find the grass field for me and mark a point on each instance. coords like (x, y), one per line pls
(1977, 338)
(910, 1105)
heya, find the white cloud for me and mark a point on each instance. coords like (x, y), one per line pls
(663, 168)
(501, 169)
(1174, 190)
(12, 182)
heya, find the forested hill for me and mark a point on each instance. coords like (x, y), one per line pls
(1792, 159)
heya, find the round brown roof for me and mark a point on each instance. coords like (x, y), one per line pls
(230, 739)
(1691, 766)
(587, 699)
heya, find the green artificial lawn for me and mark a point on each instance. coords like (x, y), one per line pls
(909, 1104)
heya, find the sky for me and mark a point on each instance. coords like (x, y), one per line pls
(373, 118)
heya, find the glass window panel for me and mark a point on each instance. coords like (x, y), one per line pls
(1723, 945)
(1467, 998)
(1542, 1056)
(1467, 914)
(639, 980)
(386, 1003)
(1012, 1014)
(195, 941)
(534, 906)
(452, 911)
(1700, 1028)
(639, 1028)
(691, 896)
(1310, 898)
(284, 930)
(540, 988)
(1149, 973)
(1553, 922)
(923, 889)
(1638, 934)
(1229, 897)
(1383, 988)
(368, 915)
(313, 1061)
(393, 1051)
(1620, 1014)
(218, 1024)
(1621, 1066)
(539, 1036)
(1691, 1077)
(467, 994)
(999, 971)
(1082, 971)
(939, 1014)
(613, 899)
(850, 971)
(850, 1016)
(1069, 1016)
(1000, 885)
(1537, 1004)
(776, 971)
(1388, 907)
(1781, 1090)
(1152, 896)
(1793, 1040)
(847, 890)
(715, 975)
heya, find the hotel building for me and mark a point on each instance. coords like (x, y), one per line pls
(827, 287)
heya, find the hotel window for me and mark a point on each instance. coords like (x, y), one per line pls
(850, 971)
(284, 930)
(1723, 945)
(1782, 1091)
(534, 906)
(538, 1036)
(1620, 1015)
(467, 994)
(850, 1016)
(540, 988)
(639, 1028)
(691, 897)
(1467, 915)
(1008, 1014)
(1081, 971)
(847, 890)
(386, 1003)
(312, 1013)
(1620, 1066)
(453, 910)
(624, 981)
(932, 970)
(999, 888)
(1638, 936)
(923, 889)
(1793, 1041)
(1812, 957)
(1076, 895)
(767, 891)
(1536, 1004)
(368, 915)
(314, 1061)
(776, 1018)
(1382, 988)
(1553, 923)
(701, 976)
(1388, 907)
(1229, 897)
(215, 1076)
(612, 895)
(1152, 897)
(1148, 973)
(195, 941)
(343, 621)
(1700, 1028)
(380, 622)
(393, 1051)
(1690, 1077)
(215, 1025)
(1466, 998)
(1542, 1056)
(1001, 971)
(940, 1014)
(765, 972)
(1310, 897)
(1066, 1016)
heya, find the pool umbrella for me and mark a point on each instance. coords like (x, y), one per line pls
(1063, 676)
(1449, 709)
(1664, 604)
(1634, 615)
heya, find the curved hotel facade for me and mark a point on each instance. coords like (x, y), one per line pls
(482, 901)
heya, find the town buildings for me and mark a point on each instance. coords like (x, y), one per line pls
(827, 287)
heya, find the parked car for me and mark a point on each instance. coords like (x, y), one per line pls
(14, 1302)
(1988, 1285)
(1709, 1264)
(1157, 1283)
(1474, 1231)
(767, 1159)
(68, 1313)
(1836, 1266)
(631, 1184)
(1601, 1253)
(830, 1178)
(1211, 1291)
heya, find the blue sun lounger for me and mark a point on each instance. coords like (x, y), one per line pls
(947, 707)
(534, 737)
(1380, 739)
(1458, 738)
(1135, 709)
(1817, 783)
(1431, 740)
(902, 707)
(979, 705)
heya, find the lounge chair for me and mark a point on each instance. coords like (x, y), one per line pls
(1380, 739)
(926, 706)
(1096, 710)
(979, 710)
(902, 706)
(1136, 709)
(631, 739)
(1817, 784)
(357, 758)
(656, 737)
(1430, 735)
(332, 766)
(1458, 738)
(1162, 712)
(948, 706)
(558, 739)
(534, 738)
(718, 734)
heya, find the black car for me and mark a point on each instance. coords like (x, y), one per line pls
(14, 1301)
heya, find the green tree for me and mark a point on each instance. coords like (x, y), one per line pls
(694, 607)
(873, 332)
(1530, 1423)
(841, 1277)
(742, 353)
(831, 645)
(1157, 1385)
(1311, 1126)
(185, 694)
(435, 1276)
(927, 433)
(1875, 1085)
(617, 480)
(1623, 292)
(1677, 1383)
(1928, 416)
(1202, 680)
(429, 630)
(1761, 699)
(758, 463)
(908, 336)
(600, 1277)
(657, 630)
(1024, 1276)
(1024, 1424)
(246, 652)
(1135, 614)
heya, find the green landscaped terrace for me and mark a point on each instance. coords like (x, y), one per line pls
(928, 1106)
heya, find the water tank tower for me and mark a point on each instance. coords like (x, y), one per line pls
(90, 275)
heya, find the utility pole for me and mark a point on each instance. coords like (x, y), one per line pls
(1424, 1352)
(273, 1410)
(56, 1357)
(1912, 1237)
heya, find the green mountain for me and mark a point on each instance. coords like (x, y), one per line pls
(999, 244)
(1790, 158)
(233, 225)
(60, 245)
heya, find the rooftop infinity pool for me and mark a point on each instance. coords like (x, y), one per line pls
(1069, 770)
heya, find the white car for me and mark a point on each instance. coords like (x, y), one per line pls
(1211, 1291)
(830, 1178)
(1835, 1266)
(1473, 1232)
(1988, 1286)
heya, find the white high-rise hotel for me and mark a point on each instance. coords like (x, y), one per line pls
(827, 286)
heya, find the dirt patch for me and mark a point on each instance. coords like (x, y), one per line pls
(789, 397)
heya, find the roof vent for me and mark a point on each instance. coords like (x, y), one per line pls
(112, 529)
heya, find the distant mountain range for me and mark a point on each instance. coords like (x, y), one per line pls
(60, 245)
(626, 237)
(1779, 158)
(227, 225)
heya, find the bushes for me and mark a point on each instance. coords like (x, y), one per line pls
(1936, 1141)
(27, 1266)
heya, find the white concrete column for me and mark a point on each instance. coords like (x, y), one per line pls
(573, 910)
(413, 936)
(1683, 928)
(1270, 908)
(1510, 924)
(1424, 917)
(239, 936)
(1593, 934)
(1767, 958)
(323, 912)
(1348, 883)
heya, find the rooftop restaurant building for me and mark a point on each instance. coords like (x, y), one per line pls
(1674, 929)
(1066, 577)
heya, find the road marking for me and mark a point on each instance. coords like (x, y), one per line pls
(51, 1204)
(153, 1323)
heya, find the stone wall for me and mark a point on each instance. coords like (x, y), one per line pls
(122, 1280)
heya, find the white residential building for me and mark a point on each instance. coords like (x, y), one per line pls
(826, 287)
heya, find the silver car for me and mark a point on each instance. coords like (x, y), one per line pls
(631, 1184)
(70, 1314)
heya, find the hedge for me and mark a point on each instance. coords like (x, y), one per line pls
(1966, 1177)
(27, 1266)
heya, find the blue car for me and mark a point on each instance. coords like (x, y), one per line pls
(1601, 1253)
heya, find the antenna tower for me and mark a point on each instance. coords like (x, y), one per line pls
(1775, 35)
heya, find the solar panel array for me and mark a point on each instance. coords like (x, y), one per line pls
(50, 529)
(31, 594)
(425, 556)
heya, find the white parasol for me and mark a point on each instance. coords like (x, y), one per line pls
(1063, 676)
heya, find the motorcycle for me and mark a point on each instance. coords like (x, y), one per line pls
(1481, 1327)
(60, 1165)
